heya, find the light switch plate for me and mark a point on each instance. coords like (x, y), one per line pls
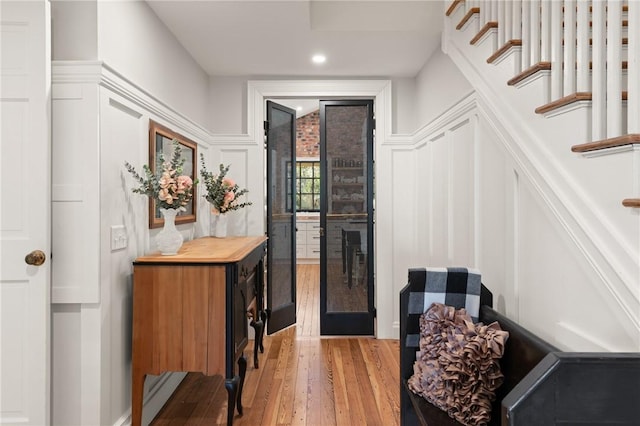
(119, 237)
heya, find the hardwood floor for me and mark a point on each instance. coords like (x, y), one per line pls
(303, 379)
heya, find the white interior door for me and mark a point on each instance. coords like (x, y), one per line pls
(25, 61)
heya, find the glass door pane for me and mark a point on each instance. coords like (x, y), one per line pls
(281, 214)
(346, 139)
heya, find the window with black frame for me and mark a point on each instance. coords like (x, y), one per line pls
(307, 186)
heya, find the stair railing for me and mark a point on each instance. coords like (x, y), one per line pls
(572, 36)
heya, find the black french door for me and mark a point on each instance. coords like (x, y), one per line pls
(280, 132)
(346, 218)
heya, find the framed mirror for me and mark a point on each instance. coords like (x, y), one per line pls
(160, 138)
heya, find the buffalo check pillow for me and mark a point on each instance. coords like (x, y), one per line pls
(457, 287)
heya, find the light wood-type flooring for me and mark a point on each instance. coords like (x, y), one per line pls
(302, 379)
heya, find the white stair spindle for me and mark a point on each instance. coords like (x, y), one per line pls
(526, 34)
(516, 20)
(545, 30)
(599, 71)
(493, 16)
(484, 7)
(582, 47)
(534, 32)
(569, 74)
(515, 26)
(556, 50)
(614, 68)
(633, 70)
(503, 26)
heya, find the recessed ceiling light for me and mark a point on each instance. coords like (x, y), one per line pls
(299, 108)
(319, 59)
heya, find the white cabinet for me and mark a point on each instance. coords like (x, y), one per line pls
(308, 240)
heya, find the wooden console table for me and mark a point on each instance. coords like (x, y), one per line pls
(190, 313)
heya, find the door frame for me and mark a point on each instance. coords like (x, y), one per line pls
(380, 91)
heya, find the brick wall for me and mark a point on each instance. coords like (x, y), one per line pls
(346, 135)
(308, 135)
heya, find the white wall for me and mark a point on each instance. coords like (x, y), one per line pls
(123, 122)
(228, 99)
(404, 112)
(133, 41)
(439, 85)
(74, 30)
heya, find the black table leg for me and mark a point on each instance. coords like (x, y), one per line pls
(232, 391)
(242, 371)
(263, 316)
(258, 326)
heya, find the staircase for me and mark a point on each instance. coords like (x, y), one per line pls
(557, 85)
(528, 41)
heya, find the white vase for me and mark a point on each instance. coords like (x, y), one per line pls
(221, 221)
(169, 240)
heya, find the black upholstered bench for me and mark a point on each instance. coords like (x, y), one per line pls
(542, 385)
(523, 351)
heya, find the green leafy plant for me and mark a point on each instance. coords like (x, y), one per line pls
(168, 186)
(222, 192)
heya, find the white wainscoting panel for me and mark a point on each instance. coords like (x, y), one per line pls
(541, 270)
(461, 199)
(404, 220)
(422, 190)
(557, 285)
(439, 205)
(493, 230)
(75, 194)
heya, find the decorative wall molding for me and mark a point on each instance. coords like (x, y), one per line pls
(98, 72)
(259, 90)
(457, 113)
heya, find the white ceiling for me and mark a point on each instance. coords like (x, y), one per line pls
(277, 38)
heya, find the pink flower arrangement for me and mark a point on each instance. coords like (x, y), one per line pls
(170, 188)
(222, 192)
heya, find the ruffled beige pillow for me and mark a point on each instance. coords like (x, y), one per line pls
(458, 365)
